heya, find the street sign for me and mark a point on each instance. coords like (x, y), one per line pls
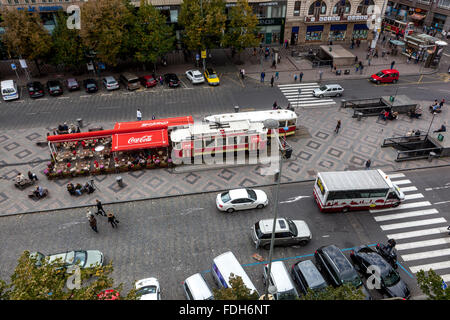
(13, 66)
(197, 57)
(444, 285)
(23, 63)
(203, 54)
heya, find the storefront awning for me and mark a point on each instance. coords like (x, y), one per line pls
(150, 124)
(417, 16)
(140, 140)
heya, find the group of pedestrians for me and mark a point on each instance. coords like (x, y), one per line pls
(139, 115)
(100, 211)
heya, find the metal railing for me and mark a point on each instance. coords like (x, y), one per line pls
(401, 141)
(418, 154)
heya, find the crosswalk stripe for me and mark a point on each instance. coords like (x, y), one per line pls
(421, 244)
(426, 255)
(412, 224)
(312, 99)
(407, 189)
(445, 277)
(313, 104)
(434, 266)
(396, 175)
(295, 94)
(297, 85)
(405, 215)
(296, 89)
(404, 206)
(400, 182)
(413, 196)
(418, 233)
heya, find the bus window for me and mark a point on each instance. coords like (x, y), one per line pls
(291, 122)
(282, 123)
(378, 194)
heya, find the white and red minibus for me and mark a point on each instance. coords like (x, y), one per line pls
(355, 190)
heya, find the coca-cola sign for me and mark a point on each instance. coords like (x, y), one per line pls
(143, 139)
(158, 123)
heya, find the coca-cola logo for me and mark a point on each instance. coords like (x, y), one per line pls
(143, 139)
(161, 123)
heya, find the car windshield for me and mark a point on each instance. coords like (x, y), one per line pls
(212, 76)
(380, 74)
(391, 278)
(91, 85)
(197, 75)
(323, 88)
(133, 81)
(10, 90)
(146, 290)
(287, 295)
(251, 194)
(292, 227)
(54, 87)
(352, 278)
(76, 257)
(225, 197)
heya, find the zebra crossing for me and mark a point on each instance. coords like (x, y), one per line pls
(305, 98)
(421, 234)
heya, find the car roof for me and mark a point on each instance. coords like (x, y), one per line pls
(334, 85)
(196, 72)
(238, 193)
(110, 78)
(373, 258)
(7, 83)
(266, 225)
(198, 287)
(339, 259)
(389, 71)
(281, 277)
(312, 276)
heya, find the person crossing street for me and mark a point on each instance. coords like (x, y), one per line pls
(100, 210)
(92, 222)
(112, 219)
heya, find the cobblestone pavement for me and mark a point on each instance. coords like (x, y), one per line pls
(316, 148)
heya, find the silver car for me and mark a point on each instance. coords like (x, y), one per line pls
(110, 83)
(328, 90)
(287, 233)
(85, 259)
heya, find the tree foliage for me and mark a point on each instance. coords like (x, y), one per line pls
(238, 291)
(152, 37)
(344, 292)
(25, 35)
(204, 23)
(243, 28)
(49, 282)
(103, 28)
(431, 285)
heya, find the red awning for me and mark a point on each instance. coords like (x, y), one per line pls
(140, 140)
(150, 124)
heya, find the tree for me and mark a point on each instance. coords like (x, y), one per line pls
(243, 27)
(25, 35)
(344, 292)
(204, 23)
(103, 28)
(431, 285)
(152, 37)
(67, 48)
(49, 282)
(238, 291)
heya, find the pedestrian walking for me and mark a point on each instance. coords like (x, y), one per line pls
(153, 117)
(356, 67)
(243, 73)
(441, 104)
(272, 80)
(361, 67)
(275, 106)
(295, 77)
(100, 210)
(368, 163)
(320, 75)
(392, 64)
(32, 176)
(112, 219)
(263, 74)
(93, 222)
(301, 76)
(338, 126)
(368, 61)
(277, 75)
(139, 114)
(353, 44)
(161, 81)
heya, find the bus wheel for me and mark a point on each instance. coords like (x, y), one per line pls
(345, 209)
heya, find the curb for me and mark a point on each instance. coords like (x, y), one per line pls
(194, 193)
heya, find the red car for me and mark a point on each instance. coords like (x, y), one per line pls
(148, 81)
(384, 76)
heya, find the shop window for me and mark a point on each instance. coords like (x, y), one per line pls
(317, 8)
(342, 7)
(297, 8)
(365, 7)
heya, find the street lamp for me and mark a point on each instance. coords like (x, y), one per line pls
(273, 126)
(431, 123)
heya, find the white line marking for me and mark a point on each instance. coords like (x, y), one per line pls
(426, 255)
(421, 244)
(445, 277)
(434, 266)
(405, 215)
(413, 196)
(404, 206)
(297, 85)
(418, 233)
(412, 224)
(294, 199)
(299, 103)
(396, 175)
(407, 189)
(406, 181)
(442, 202)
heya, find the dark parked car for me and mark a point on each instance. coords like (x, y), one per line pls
(335, 266)
(172, 80)
(72, 84)
(306, 276)
(35, 89)
(148, 81)
(54, 87)
(90, 85)
(390, 282)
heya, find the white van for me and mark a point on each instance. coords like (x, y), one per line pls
(225, 265)
(9, 90)
(280, 279)
(196, 288)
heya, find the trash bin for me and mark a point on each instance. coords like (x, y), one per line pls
(80, 122)
(236, 108)
(359, 115)
(431, 155)
(119, 181)
(343, 101)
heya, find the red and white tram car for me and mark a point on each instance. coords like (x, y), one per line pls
(212, 138)
(287, 119)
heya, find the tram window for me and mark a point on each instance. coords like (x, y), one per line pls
(197, 144)
(242, 139)
(220, 141)
(282, 124)
(177, 145)
(232, 141)
(209, 142)
(291, 122)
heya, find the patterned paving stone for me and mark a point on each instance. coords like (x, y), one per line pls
(136, 174)
(313, 145)
(3, 197)
(334, 152)
(33, 136)
(23, 154)
(305, 156)
(191, 178)
(3, 138)
(155, 182)
(294, 167)
(322, 135)
(11, 146)
(326, 164)
(247, 183)
(357, 160)
(226, 174)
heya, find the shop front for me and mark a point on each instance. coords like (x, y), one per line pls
(438, 21)
(360, 31)
(337, 32)
(314, 33)
(271, 20)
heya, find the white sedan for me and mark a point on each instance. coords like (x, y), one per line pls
(195, 76)
(241, 199)
(148, 289)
